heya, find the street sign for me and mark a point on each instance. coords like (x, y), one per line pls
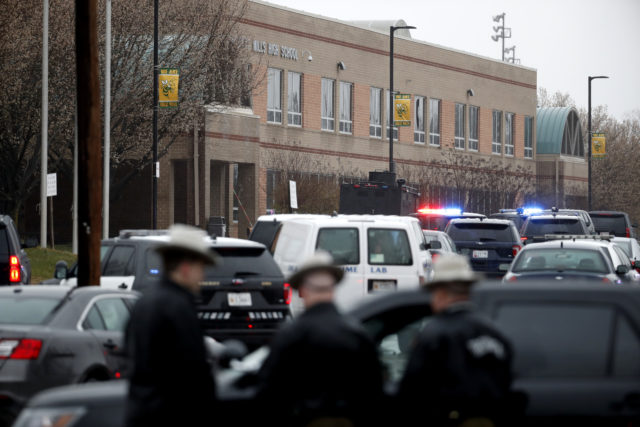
(598, 145)
(52, 185)
(293, 195)
(168, 80)
(402, 109)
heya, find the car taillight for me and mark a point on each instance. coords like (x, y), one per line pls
(515, 249)
(14, 269)
(627, 232)
(524, 239)
(287, 293)
(605, 280)
(20, 348)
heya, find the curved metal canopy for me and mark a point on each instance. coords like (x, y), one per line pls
(558, 131)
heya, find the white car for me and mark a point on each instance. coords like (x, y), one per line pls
(378, 253)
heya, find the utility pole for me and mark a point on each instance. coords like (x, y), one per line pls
(107, 122)
(44, 118)
(89, 147)
(589, 134)
(155, 169)
(392, 29)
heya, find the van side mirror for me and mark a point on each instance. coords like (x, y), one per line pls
(61, 271)
(622, 270)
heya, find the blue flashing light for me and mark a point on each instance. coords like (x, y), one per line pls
(452, 211)
(531, 211)
(154, 271)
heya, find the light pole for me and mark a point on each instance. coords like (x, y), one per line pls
(154, 148)
(44, 124)
(392, 29)
(106, 177)
(589, 131)
(502, 31)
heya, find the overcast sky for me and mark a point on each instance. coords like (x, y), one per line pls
(565, 40)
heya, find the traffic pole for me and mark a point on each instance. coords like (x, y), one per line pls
(44, 117)
(89, 144)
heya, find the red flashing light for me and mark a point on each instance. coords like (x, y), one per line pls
(356, 185)
(117, 375)
(524, 239)
(250, 326)
(287, 293)
(25, 349)
(14, 269)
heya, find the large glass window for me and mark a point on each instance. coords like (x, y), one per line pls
(459, 136)
(509, 131)
(389, 116)
(294, 108)
(274, 96)
(418, 131)
(473, 128)
(375, 112)
(560, 340)
(496, 139)
(434, 122)
(388, 247)
(341, 243)
(327, 114)
(345, 108)
(528, 137)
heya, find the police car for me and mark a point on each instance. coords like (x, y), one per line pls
(438, 218)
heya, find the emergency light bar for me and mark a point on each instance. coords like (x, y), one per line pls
(440, 211)
(606, 237)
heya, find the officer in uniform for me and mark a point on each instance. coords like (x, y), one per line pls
(323, 369)
(459, 372)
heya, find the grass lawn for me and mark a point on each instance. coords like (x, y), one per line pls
(43, 261)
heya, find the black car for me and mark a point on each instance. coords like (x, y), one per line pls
(576, 357)
(52, 335)
(15, 266)
(613, 222)
(586, 218)
(538, 226)
(245, 297)
(490, 244)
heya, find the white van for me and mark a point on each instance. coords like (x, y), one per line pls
(378, 253)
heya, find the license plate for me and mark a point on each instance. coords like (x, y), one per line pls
(239, 299)
(480, 254)
(383, 285)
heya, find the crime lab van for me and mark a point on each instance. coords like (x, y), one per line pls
(378, 253)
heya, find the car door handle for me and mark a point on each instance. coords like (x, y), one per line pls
(109, 344)
(122, 286)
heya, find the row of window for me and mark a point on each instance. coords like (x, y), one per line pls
(294, 115)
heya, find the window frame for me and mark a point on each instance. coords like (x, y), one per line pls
(475, 130)
(274, 111)
(346, 124)
(419, 135)
(528, 137)
(375, 130)
(496, 133)
(433, 136)
(509, 134)
(459, 141)
(294, 114)
(357, 246)
(328, 120)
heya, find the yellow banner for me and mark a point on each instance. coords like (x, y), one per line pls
(402, 110)
(168, 80)
(598, 145)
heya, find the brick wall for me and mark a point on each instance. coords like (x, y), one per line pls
(486, 130)
(311, 101)
(447, 123)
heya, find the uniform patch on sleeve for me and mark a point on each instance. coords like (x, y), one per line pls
(484, 345)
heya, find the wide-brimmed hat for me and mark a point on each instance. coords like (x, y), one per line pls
(452, 269)
(320, 261)
(189, 240)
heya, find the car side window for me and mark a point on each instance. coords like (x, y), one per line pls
(624, 259)
(626, 362)
(558, 340)
(114, 312)
(119, 261)
(93, 321)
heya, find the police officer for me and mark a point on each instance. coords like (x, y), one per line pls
(322, 370)
(171, 382)
(459, 372)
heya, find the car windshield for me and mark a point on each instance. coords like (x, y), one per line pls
(611, 223)
(625, 246)
(542, 226)
(561, 259)
(480, 232)
(26, 310)
(243, 261)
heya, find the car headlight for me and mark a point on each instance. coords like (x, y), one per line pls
(49, 417)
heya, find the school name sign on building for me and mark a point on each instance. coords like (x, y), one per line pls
(168, 80)
(402, 109)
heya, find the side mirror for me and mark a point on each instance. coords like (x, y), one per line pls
(435, 244)
(425, 246)
(61, 271)
(233, 350)
(622, 269)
